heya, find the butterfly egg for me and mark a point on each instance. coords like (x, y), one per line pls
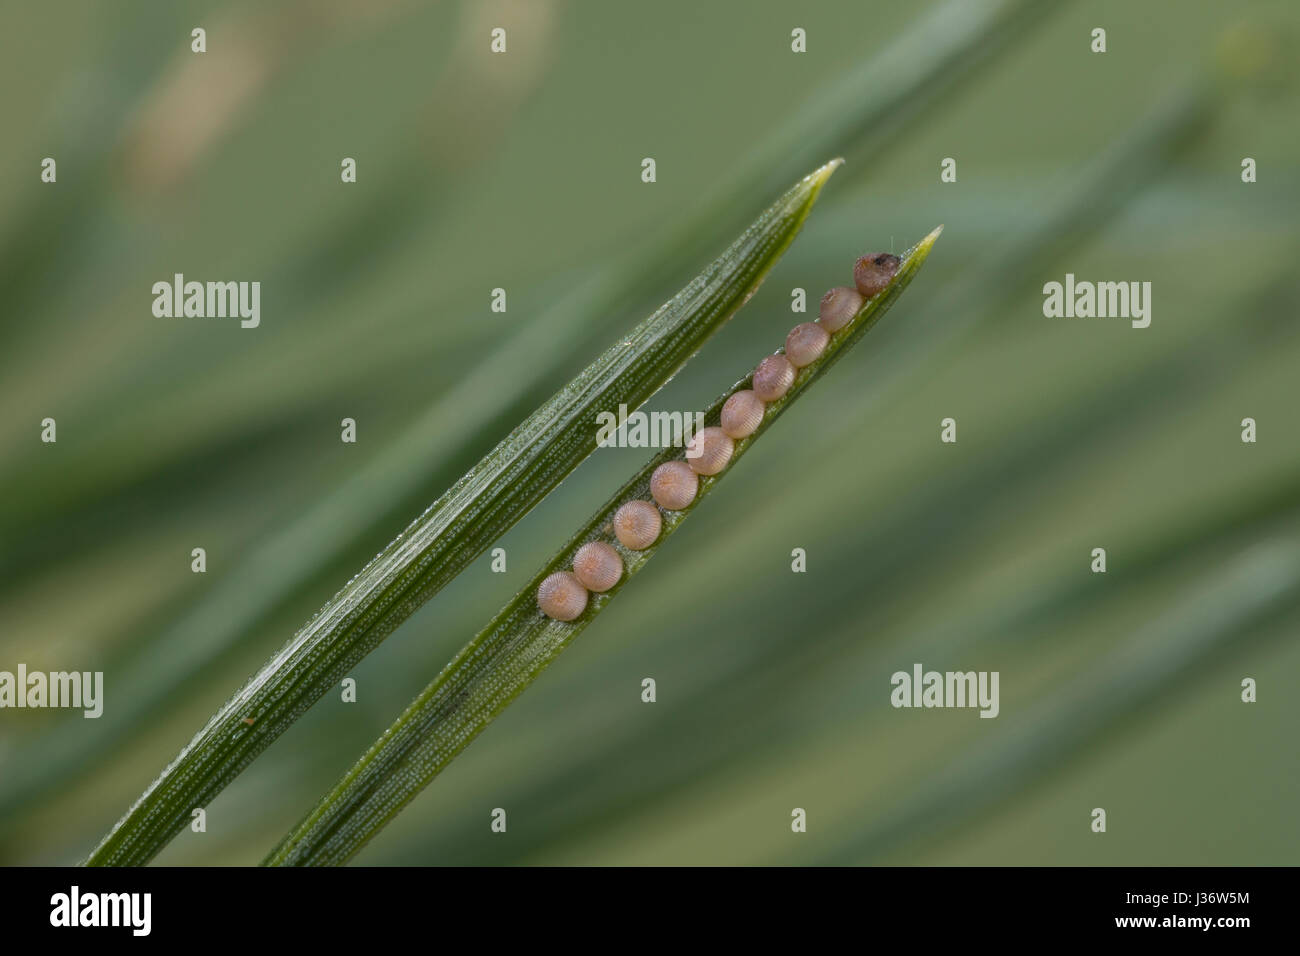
(673, 485)
(597, 566)
(709, 451)
(637, 524)
(806, 343)
(561, 596)
(838, 307)
(742, 414)
(773, 377)
(873, 271)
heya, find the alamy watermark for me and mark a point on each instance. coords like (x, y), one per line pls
(922, 688)
(1086, 300)
(75, 909)
(78, 689)
(208, 300)
(648, 429)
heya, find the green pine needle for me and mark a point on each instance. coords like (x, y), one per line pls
(526, 466)
(509, 654)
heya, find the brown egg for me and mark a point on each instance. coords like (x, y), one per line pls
(709, 451)
(773, 377)
(673, 485)
(597, 566)
(561, 596)
(637, 524)
(838, 307)
(805, 343)
(873, 271)
(742, 414)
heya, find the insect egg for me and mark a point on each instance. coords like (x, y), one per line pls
(742, 414)
(709, 451)
(805, 343)
(838, 307)
(597, 566)
(673, 485)
(636, 524)
(561, 596)
(873, 271)
(773, 377)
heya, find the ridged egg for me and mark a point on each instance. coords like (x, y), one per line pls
(806, 343)
(561, 596)
(773, 377)
(873, 271)
(742, 414)
(597, 566)
(637, 524)
(709, 451)
(673, 485)
(838, 308)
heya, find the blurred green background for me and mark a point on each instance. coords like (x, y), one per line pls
(522, 171)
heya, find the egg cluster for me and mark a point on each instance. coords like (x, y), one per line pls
(597, 566)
